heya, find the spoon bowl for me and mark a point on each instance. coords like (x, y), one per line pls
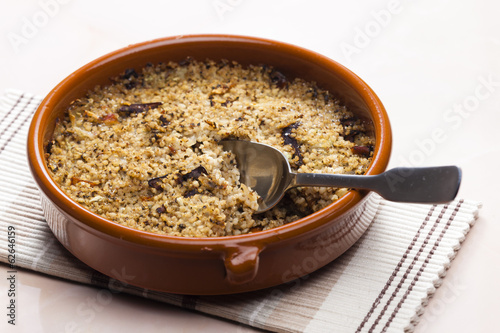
(267, 171)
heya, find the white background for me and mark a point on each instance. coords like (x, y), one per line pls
(434, 64)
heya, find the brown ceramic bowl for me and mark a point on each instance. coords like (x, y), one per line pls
(219, 265)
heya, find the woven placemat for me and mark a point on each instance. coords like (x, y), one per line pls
(380, 284)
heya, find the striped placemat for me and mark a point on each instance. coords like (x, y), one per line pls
(380, 284)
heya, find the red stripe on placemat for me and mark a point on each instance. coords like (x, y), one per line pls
(19, 127)
(9, 112)
(189, 301)
(396, 270)
(419, 273)
(410, 267)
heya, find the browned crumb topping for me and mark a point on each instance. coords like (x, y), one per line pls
(143, 151)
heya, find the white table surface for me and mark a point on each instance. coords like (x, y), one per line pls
(434, 64)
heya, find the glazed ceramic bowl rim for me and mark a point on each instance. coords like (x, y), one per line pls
(90, 220)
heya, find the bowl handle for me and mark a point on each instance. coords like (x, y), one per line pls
(242, 263)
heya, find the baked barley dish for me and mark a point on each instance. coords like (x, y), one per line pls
(143, 151)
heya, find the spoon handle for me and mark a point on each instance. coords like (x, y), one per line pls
(418, 185)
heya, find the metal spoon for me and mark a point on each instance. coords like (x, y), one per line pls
(267, 171)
